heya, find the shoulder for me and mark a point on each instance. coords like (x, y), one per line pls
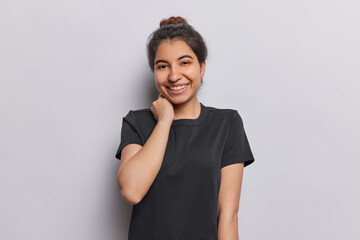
(140, 115)
(220, 116)
(221, 112)
(140, 112)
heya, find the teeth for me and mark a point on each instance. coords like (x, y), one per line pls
(178, 87)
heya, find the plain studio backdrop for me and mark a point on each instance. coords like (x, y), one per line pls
(70, 70)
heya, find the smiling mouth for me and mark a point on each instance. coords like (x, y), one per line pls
(177, 88)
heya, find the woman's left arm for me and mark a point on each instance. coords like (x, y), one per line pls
(228, 201)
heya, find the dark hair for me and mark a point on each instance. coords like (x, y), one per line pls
(176, 28)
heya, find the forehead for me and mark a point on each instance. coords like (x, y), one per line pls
(173, 49)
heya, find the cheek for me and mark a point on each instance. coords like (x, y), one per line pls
(193, 74)
(159, 78)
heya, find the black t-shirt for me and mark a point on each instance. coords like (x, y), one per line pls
(181, 204)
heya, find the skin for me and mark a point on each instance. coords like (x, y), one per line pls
(176, 63)
(140, 165)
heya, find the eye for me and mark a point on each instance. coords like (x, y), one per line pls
(161, 66)
(185, 62)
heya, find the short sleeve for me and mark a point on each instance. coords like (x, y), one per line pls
(237, 148)
(129, 133)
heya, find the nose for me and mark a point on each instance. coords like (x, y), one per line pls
(174, 74)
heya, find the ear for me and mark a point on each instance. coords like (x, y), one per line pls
(202, 68)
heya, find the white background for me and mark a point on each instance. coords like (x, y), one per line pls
(70, 70)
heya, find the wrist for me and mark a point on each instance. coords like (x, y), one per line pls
(165, 122)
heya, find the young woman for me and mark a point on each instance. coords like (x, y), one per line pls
(181, 161)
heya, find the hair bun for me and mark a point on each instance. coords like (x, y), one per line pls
(172, 20)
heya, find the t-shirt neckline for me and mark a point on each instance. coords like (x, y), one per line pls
(196, 121)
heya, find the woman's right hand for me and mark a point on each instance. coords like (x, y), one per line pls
(162, 109)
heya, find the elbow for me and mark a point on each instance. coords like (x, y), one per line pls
(128, 193)
(132, 199)
(128, 190)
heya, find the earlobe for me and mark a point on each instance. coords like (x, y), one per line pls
(202, 68)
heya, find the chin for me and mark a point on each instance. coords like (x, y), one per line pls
(180, 101)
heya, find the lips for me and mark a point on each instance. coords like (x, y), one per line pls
(178, 89)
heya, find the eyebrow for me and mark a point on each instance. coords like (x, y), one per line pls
(161, 60)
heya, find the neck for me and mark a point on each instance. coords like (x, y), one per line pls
(188, 110)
